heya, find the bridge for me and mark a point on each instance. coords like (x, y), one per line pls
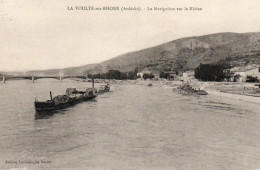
(4, 78)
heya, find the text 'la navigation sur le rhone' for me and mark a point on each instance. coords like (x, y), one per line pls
(117, 8)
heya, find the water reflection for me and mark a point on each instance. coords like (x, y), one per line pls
(47, 114)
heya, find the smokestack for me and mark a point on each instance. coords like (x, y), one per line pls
(92, 82)
(50, 95)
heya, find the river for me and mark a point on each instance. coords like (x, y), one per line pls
(131, 127)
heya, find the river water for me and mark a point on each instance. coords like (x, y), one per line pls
(131, 127)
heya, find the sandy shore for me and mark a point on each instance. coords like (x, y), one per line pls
(251, 99)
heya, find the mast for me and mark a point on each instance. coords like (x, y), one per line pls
(93, 83)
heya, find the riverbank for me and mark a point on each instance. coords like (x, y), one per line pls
(233, 90)
(247, 98)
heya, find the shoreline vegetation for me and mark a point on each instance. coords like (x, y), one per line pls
(234, 90)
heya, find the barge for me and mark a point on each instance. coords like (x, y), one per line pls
(71, 98)
(186, 89)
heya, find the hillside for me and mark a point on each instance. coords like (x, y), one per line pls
(188, 53)
(182, 54)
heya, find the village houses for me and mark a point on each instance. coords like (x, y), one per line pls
(242, 72)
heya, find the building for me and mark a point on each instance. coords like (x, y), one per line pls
(241, 73)
(141, 74)
(171, 75)
(145, 71)
(188, 76)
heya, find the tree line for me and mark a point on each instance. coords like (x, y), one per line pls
(115, 74)
(216, 72)
(210, 72)
(204, 72)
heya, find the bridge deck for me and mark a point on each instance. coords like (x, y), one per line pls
(9, 77)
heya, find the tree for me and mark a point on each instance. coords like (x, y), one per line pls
(237, 77)
(164, 75)
(123, 76)
(132, 75)
(146, 76)
(251, 79)
(136, 70)
(113, 74)
(90, 76)
(210, 72)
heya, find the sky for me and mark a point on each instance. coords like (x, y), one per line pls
(44, 34)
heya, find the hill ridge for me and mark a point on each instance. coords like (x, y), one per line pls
(238, 49)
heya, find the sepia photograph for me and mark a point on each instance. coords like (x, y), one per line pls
(129, 85)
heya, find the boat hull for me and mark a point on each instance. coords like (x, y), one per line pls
(52, 106)
(190, 92)
(104, 89)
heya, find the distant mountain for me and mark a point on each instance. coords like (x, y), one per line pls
(187, 53)
(182, 54)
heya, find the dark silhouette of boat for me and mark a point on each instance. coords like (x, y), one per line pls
(71, 98)
(103, 89)
(186, 89)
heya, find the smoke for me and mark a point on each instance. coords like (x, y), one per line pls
(61, 73)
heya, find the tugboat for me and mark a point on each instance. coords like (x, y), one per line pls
(186, 89)
(71, 98)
